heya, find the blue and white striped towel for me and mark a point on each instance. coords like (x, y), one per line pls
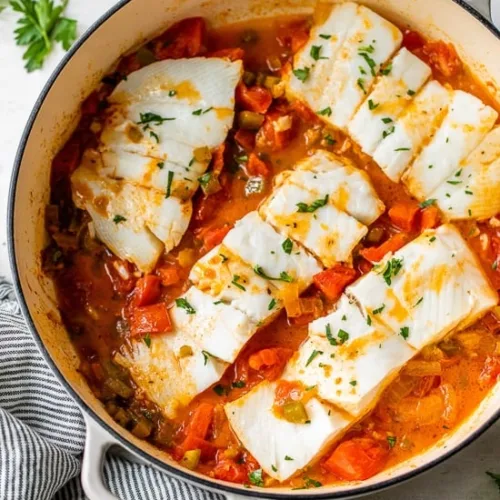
(42, 432)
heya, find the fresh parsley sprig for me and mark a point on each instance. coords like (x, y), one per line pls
(41, 25)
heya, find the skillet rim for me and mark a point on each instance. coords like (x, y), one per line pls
(179, 473)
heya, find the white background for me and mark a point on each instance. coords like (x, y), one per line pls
(460, 478)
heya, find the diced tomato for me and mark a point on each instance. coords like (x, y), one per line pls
(123, 282)
(394, 243)
(91, 105)
(429, 218)
(492, 322)
(357, 459)
(213, 236)
(227, 469)
(233, 54)
(218, 159)
(168, 274)
(147, 290)
(277, 131)
(491, 371)
(240, 370)
(200, 421)
(270, 361)
(206, 206)
(150, 319)
(403, 215)
(294, 36)
(288, 390)
(245, 138)
(255, 98)
(413, 40)
(256, 166)
(184, 39)
(208, 450)
(443, 57)
(304, 112)
(425, 385)
(364, 266)
(333, 281)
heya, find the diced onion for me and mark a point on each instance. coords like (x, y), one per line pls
(422, 368)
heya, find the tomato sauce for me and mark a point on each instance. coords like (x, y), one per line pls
(96, 291)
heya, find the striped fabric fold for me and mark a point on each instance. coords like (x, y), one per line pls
(42, 432)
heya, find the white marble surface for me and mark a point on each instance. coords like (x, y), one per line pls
(460, 478)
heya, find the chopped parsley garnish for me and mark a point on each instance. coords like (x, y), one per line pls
(205, 179)
(312, 356)
(432, 239)
(207, 355)
(197, 112)
(147, 339)
(309, 482)
(273, 466)
(287, 246)
(427, 203)
(388, 132)
(325, 112)
(171, 93)
(387, 70)
(235, 282)
(325, 37)
(468, 192)
(495, 477)
(430, 166)
(402, 149)
(220, 390)
(284, 276)
(379, 310)
(271, 305)
(392, 441)
(419, 301)
(191, 162)
(404, 332)
(371, 63)
(392, 269)
(160, 164)
(242, 158)
(459, 173)
(316, 52)
(152, 118)
(287, 458)
(184, 304)
(344, 317)
(362, 70)
(411, 92)
(239, 384)
(329, 139)
(224, 258)
(169, 184)
(343, 336)
(119, 218)
(255, 477)
(369, 48)
(361, 84)
(454, 183)
(302, 74)
(354, 383)
(369, 320)
(372, 105)
(387, 120)
(305, 208)
(155, 136)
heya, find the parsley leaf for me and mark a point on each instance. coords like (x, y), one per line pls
(255, 477)
(427, 203)
(271, 305)
(152, 118)
(206, 355)
(392, 441)
(220, 390)
(239, 384)
(169, 184)
(302, 74)
(311, 483)
(379, 310)
(325, 112)
(287, 458)
(284, 276)
(392, 269)
(404, 332)
(316, 52)
(387, 70)
(119, 218)
(184, 304)
(147, 340)
(372, 105)
(40, 26)
(287, 246)
(361, 84)
(312, 356)
(236, 283)
(305, 208)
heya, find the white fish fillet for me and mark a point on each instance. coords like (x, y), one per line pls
(472, 192)
(351, 74)
(259, 245)
(416, 125)
(281, 447)
(225, 277)
(376, 118)
(348, 187)
(327, 232)
(168, 378)
(350, 374)
(466, 124)
(136, 223)
(219, 329)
